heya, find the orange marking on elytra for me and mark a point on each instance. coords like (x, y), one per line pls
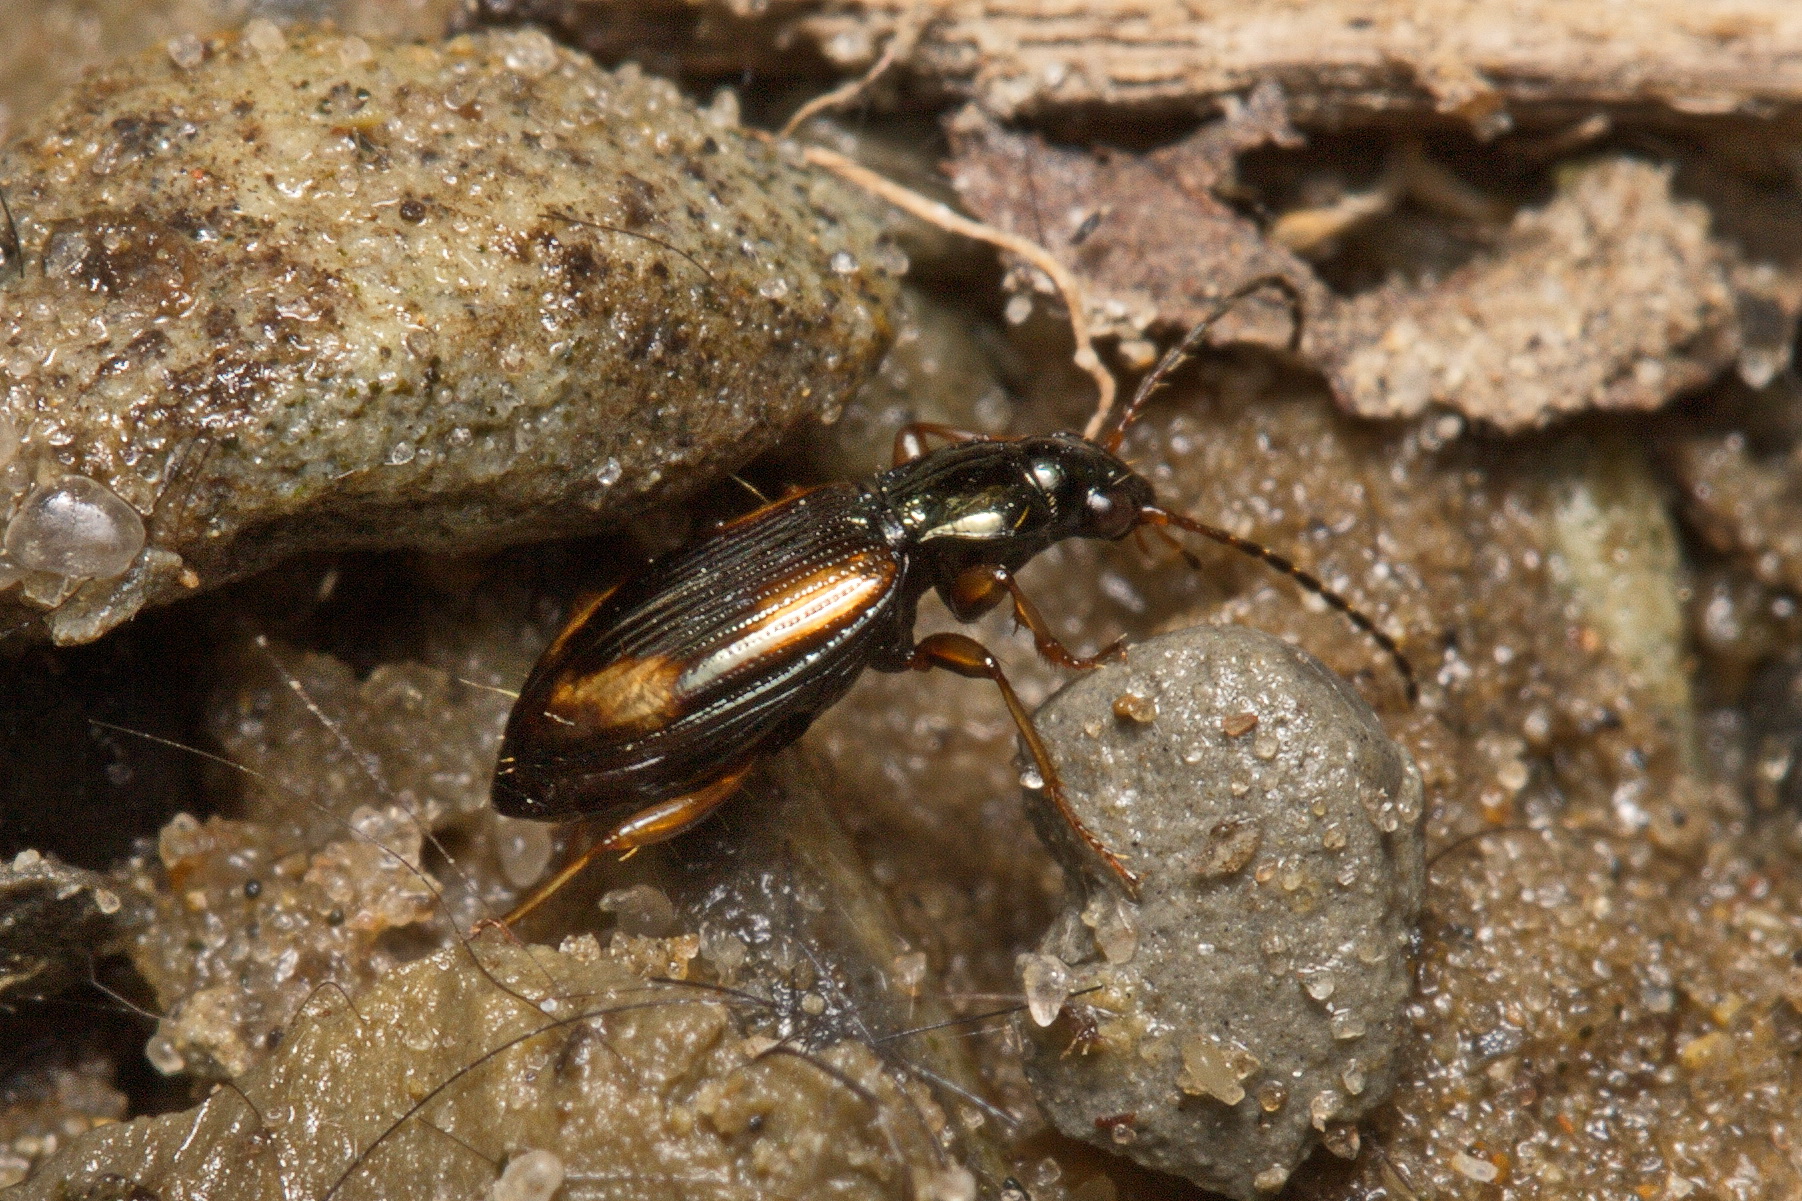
(629, 693)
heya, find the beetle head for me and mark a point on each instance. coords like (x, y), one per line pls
(1091, 492)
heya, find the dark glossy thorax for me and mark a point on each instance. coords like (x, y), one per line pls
(1002, 502)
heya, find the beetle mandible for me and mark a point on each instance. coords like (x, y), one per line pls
(662, 693)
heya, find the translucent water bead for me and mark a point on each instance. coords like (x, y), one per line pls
(75, 527)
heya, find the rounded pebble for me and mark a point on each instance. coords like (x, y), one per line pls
(77, 528)
(379, 294)
(1268, 958)
(529, 1176)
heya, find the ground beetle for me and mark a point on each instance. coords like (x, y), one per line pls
(662, 693)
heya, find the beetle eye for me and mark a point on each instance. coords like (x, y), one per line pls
(1111, 515)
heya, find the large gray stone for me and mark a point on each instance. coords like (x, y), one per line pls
(278, 293)
(1249, 1005)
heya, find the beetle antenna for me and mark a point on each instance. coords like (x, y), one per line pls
(1158, 518)
(1181, 352)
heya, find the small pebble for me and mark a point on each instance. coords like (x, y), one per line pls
(1110, 917)
(1342, 1141)
(528, 1176)
(1230, 846)
(1130, 706)
(264, 38)
(909, 969)
(1270, 1179)
(1238, 724)
(1479, 1170)
(955, 1183)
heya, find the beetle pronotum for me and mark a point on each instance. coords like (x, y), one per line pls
(663, 693)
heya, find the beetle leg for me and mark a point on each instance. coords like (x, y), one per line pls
(981, 588)
(968, 657)
(652, 824)
(910, 439)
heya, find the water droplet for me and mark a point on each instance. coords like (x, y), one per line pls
(523, 848)
(1018, 309)
(1031, 780)
(461, 97)
(1319, 985)
(77, 528)
(843, 263)
(642, 909)
(1353, 1079)
(1321, 1109)
(401, 453)
(532, 54)
(1272, 1096)
(163, 1055)
(609, 473)
(773, 288)
(1046, 981)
